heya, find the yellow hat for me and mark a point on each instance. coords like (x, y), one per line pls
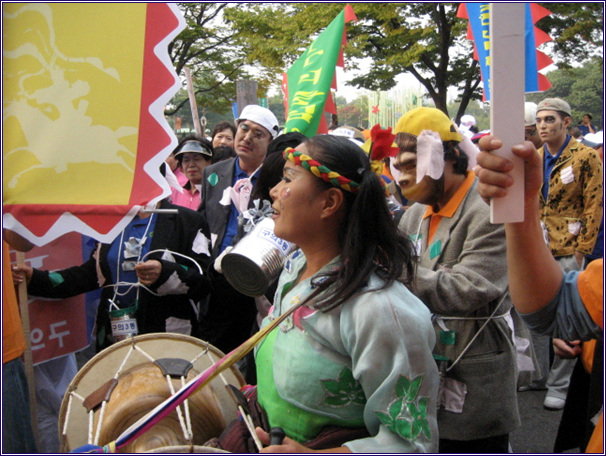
(419, 119)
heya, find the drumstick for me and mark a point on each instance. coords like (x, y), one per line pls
(251, 427)
(201, 380)
(242, 404)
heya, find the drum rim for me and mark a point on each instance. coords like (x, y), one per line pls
(172, 448)
(121, 345)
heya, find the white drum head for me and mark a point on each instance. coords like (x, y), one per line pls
(137, 375)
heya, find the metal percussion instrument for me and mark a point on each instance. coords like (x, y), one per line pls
(256, 260)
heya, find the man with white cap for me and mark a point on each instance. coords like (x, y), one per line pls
(462, 279)
(530, 124)
(256, 127)
(226, 192)
(571, 205)
(467, 123)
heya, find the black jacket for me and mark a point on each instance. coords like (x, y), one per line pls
(173, 232)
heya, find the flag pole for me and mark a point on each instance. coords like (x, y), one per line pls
(192, 102)
(27, 355)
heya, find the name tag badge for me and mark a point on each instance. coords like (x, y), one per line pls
(567, 175)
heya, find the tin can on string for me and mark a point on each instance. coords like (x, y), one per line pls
(123, 323)
(256, 260)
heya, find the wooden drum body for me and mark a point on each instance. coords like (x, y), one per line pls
(124, 382)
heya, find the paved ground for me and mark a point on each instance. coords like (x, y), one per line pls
(539, 426)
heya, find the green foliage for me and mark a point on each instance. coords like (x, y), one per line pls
(206, 47)
(426, 40)
(225, 42)
(577, 30)
(354, 113)
(582, 87)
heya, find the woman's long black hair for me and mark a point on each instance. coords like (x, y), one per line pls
(369, 237)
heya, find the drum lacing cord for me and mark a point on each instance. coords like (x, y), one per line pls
(200, 355)
(207, 352)
(221, 373)
(133, 348)
(186, 426)
(71, 394)
(91, 415)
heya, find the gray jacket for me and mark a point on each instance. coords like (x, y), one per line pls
(463, 274)
(215, 180)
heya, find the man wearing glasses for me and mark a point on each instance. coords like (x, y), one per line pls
(227, 187)
(571, 205)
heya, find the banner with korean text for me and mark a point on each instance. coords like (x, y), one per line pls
(84, 135)
(307, 84)
(478, 31)
(60, 327)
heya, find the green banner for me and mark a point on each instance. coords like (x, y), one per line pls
(310, 78)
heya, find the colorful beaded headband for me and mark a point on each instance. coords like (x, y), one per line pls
(321, 171)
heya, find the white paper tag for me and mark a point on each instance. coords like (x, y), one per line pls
(226, 198)
(574, 228)
(452, 395)
(567, 175)
(200, 244)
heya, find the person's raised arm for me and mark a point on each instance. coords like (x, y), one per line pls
(534, 275)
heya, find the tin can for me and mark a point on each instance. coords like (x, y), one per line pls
(123, 323)
(256, 260)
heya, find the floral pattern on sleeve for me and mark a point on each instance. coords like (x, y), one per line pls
(407, 414)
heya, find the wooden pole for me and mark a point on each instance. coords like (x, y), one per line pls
(192, 102)
(27, 355)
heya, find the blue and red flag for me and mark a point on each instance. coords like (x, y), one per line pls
(478, 31)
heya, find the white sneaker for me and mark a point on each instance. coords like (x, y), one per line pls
(553, 403)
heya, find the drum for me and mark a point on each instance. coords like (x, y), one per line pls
(124, 382)
(187, 449)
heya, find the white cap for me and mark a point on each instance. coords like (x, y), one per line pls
(349, 132)
(467, 121)
(596, 138)
(530, 114)
(261, 116)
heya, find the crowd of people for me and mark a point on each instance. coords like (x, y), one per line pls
(407, 338)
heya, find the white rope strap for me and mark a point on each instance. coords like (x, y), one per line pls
(144, 353)
(185, 427)
(190, 431)
(221, 373)
(91, 423)
(479, 331)
(100, 422)
(201, 354)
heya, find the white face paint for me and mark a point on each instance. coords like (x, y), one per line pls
(551, 127)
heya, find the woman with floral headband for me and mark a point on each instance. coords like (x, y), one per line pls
(351, 370)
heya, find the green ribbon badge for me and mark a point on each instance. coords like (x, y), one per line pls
(213, 179)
